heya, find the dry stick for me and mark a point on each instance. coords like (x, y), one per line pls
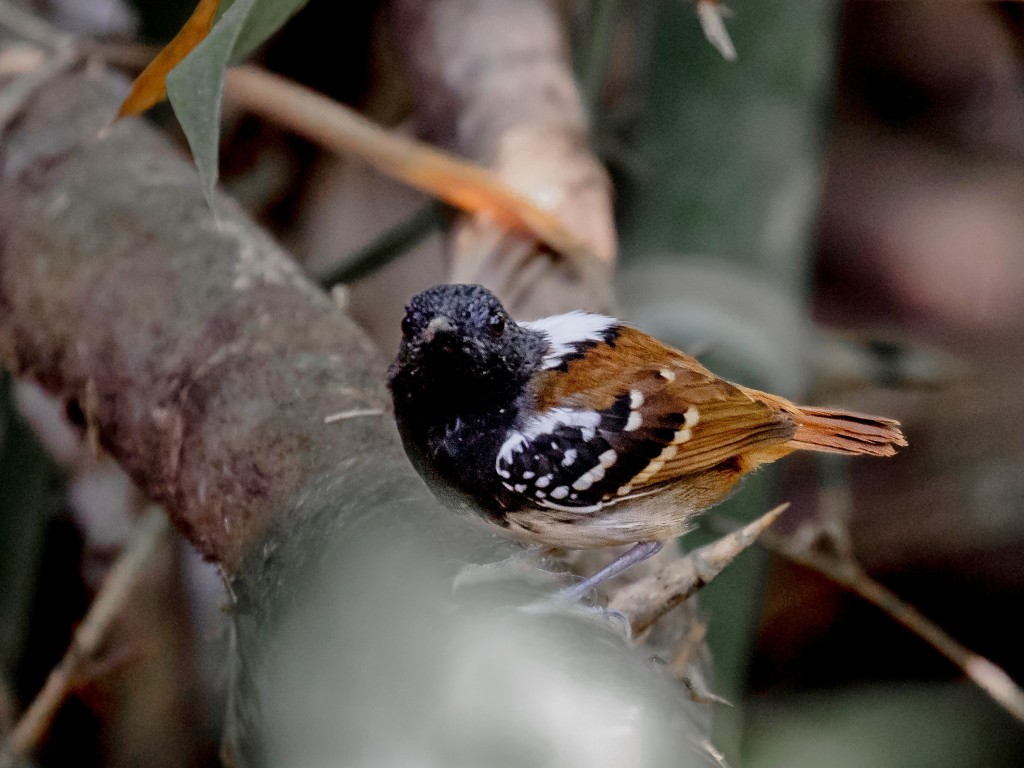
(459, 182)
(688, 650)
(712, 15)
(146, 535)
(986, 675)
(647, 600)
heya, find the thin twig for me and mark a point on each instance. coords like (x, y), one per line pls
(835, 502)
(355, 413)
(455, 180)
(113, 595)
(688, 650)
(647, 600)
(712, 15)
(847, 573)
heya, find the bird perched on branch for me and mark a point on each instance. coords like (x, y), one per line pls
(580, 431)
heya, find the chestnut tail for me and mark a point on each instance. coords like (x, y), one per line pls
(825, 429)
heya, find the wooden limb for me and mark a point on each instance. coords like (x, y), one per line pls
(848, 573)
(116, 589)
(441, 174)
(645, 601)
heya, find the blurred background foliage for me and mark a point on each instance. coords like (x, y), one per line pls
(860, 164)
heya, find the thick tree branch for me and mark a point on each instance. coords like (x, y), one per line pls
(214, 307)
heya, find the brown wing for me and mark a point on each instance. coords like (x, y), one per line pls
(634, 413)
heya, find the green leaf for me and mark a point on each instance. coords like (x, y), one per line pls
(195, 87)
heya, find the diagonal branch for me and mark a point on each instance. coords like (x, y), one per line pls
(456, 181)
(647, 600)
(91, 633)
(848, 573)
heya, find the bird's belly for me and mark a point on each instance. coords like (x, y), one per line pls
(664, 515)
(611, 526)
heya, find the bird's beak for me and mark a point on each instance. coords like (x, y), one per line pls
(438, 325)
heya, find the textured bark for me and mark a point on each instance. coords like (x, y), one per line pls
(209, 379)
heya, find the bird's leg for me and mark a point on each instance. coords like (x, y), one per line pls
(636, 554)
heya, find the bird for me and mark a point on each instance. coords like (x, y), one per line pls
(580, 431)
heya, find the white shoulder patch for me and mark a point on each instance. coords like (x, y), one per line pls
(545, 424)
(564, 332)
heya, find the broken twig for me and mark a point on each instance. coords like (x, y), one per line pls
(849, 574)
(459, 182)
(647, 600)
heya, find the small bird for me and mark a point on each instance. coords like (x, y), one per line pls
(579, 431)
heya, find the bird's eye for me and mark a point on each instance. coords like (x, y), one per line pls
(496, 325)
(407, 328)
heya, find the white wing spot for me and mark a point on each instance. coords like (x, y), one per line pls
(528, 475)
(666, 374)
(540, 494)
(682, 435)
(587, 480)
(504, 473)
(583, 483)
(623, 490)
(636, 398)
(560, 492)
(570, 457)
(633, 422)
(651, 470)
(608, 458)
(544, 481)
(667, 453)
(691, 417)
(520, 488)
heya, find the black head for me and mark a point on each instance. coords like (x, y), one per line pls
(460, 349)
